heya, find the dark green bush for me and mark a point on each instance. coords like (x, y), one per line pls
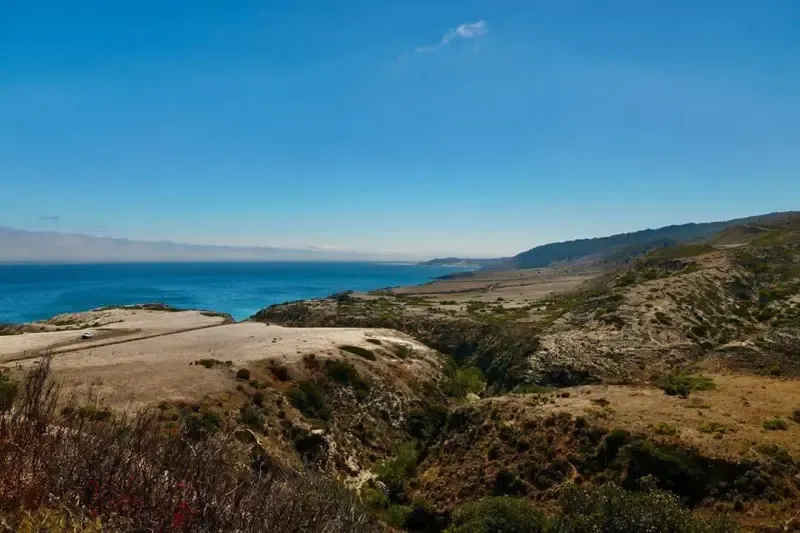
(469, 380)
(252, 416)
(508, 484)
(500, 514)
(208, 363)
(199, 425)
(346, 374)
(397, 471)
(243, 374)
(672, 469)
(258, 399)
(9, 389)
(775, 424)
(425, 424)
(359, 351)
(610, 509)
(308, 398)
(775, 452)
(683, 384)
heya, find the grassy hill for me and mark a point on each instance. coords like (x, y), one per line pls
(624, 247)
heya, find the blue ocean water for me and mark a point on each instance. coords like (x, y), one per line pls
(35, 292)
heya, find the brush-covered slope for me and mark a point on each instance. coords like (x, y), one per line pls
(623, 246)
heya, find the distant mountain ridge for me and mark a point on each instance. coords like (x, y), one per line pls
(622, 247)
(466, 263)
(20, 246)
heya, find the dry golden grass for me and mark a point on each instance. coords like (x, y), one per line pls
(740, 403)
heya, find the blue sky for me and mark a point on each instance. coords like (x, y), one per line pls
(430, 127)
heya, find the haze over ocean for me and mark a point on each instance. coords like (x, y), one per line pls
(39, 291)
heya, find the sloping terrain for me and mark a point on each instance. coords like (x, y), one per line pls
(336, 397)
(624, 247)
(681, 367)
(678, 372)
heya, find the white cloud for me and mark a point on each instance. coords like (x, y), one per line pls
(464, 31)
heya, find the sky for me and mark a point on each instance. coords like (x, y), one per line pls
(424, 127)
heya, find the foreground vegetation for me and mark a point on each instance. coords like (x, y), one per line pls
(70, 472)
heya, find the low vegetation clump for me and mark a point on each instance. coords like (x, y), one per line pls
(309, 398)
(199, 425)
(208, 363)
(715, 428)
(605, 509)
(683, 384)
(129, 474)
(344, 373)
(251, 415)
(359, 351)
(397, 471)
(498, 514)
(666, 429)
(775, 424)
(532, 388)
(611, 509)
(469, 380)
(9, 388)
(243, 374)
(795, 416)
(776, 453)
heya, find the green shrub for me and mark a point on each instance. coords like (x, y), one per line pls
(396, 515)
(359, 351)
(9, 388)
(346, 374)
(425, 424)
(208, 363)
(531, 388)
(396, 472)
(252, 416)
(716, 428)
(666, 429)
(672, 468)
(683, 384)
(243, 374)
(308, 398)
(469, 380)
(258, 399)
(499, 514)
(199, 425)
(508, 484)
(376, 342)
(610, 509)
(775, 424)
(374, 498)
(776, 453)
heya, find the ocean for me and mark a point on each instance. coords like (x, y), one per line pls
(38, 291)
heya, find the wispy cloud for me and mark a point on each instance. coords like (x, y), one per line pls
(473, 30)
(51, 218)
